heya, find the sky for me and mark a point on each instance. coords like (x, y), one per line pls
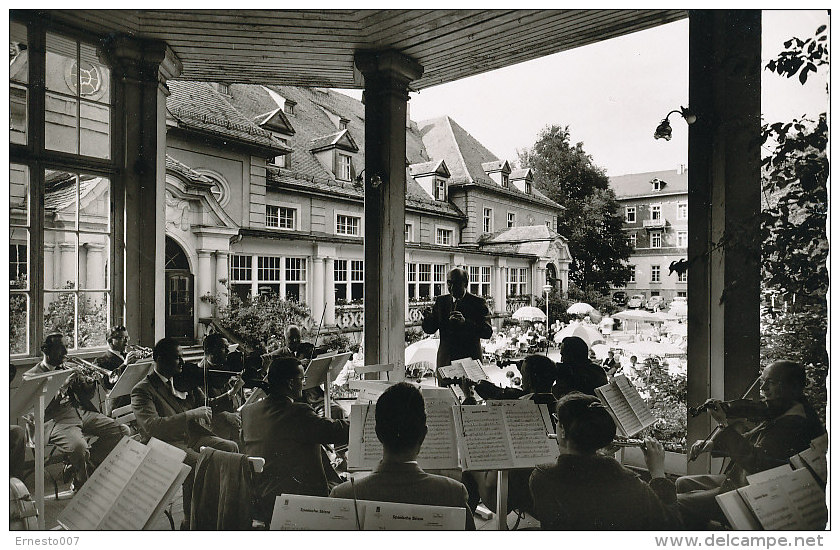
(612, 95)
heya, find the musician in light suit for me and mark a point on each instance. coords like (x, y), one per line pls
(401, 427)
(463, 319)
(179, 418)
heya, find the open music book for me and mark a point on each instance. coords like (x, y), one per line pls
(316, 372)
(814, 459)
(788, 500)
(464, 368)
(129, 489)
(628, 409)
(130, 377)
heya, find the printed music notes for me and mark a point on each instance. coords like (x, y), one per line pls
(626, 406)
(464, 368)
(128, 488)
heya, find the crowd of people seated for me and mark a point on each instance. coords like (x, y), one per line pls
(585, 489)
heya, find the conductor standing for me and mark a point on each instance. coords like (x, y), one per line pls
(463, 319)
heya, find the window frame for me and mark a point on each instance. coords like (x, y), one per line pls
(632, 277)
(628, 210)
(294, 217)
(655, 273)
(349, 215)
(656, 239)
(442, 231)
(682, 239)
(682, 210)
(656, 211)
(634, 239)
(340, 166)
(511, 219)
(409, 232)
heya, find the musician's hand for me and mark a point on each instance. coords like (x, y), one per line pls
(699, 447)
(132, 357)
(238, 384)
(654, 457)
(457, 317)
(200, 413)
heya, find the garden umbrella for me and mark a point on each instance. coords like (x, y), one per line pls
(529, 313)
(680, 329)
(679, 309)
(423, 351)
(579, 308)
(661, 317)
(648, 348)
(588, 333)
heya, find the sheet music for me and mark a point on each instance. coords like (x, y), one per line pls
(820, 444)
(737, 512)
(452, 371)
(316, 372)
(528, 433)
(816, 461)
(626, 420)
(396, 516)
(23, 399)
(483, 438)
(791, 502)
(150, 482)
(130, 377)
(438, 395)
(640, 408)
(440, 448)
(98, 495)
(473, 370)
(767, 475)
(307, 513)
(365, 450)
(169, 496)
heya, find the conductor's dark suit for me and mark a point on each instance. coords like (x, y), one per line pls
(289, 436)
(459, 341)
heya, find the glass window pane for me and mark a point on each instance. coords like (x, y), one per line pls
(93, 319)
(60, 314)
(18, 101)
(94, 256)
(61, 124)
(95, 204)
(18, 194)
(95, 79)
(18, 323)
(60, 200)
(95, 130)
(18, 53)
(61, 64)
(19, 258)
(60, 260)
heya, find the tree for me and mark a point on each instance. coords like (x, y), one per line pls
(566, 174)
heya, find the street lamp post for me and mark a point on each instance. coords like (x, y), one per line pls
(547, 288)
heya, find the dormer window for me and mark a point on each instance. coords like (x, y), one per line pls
(345, 163)
(289, 107)
(224, 88)
(342, 124)
(527, 187)
(658, 184)
(505, 180)
(440, 189)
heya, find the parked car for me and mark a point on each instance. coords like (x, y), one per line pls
(636, 301)
(655, 303)
(620, 298)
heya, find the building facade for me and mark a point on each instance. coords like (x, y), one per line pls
(654, 206)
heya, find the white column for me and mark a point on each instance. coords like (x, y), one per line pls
(255, 287)
(318, 293)
(95, 266)
(222, 274)
(49, 265)
(329, 290)
(499, 286)
(204, 281)
(67, 272)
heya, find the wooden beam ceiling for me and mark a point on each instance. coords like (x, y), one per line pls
(317, 47)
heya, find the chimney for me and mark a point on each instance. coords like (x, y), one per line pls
(682, 169)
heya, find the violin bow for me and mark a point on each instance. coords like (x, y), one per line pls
(315, 345)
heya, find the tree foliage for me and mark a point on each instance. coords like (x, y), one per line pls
(257, 320)
(565, 173)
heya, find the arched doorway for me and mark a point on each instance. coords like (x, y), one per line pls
(551, 277)
(179, 294)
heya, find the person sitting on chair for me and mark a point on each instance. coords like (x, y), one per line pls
(401, 428)
(70, 417)
(115, 359)
(586, 491)
(289, 435)
(791, 423)
(180, 418)
(226, 421)
(576, 372)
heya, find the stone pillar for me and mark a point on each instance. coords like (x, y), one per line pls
(499, 293)
(723, 201)
(49, 265)
(318, 291)
(222, 274)
(95, 266)
(255, 287)
(329, 290)
(140, 71)
(204, 282)
(387, 75)
(67, 271)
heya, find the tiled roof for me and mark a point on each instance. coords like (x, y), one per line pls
(430, 167)
(60, 190)
(637, 185)
(179, 167)
(198, 106)
(341, 138)
(275, 120)
(520, 173)
(523, 233)
(494, 165)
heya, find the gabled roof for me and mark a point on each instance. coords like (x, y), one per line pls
(199, 106)
(523, 233)
(340, 140)
(437, 167)
(60, 190)
(275, 120)
(640, 185)
(495, 166)
(178, 167)
(521, 174)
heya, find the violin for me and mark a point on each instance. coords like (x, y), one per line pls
(756, 410)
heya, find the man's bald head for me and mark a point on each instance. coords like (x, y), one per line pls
(456, 282)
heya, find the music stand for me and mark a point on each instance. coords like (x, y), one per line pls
(322, 370)
(35, 391)
(130, 377)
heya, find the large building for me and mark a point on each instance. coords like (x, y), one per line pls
(263, 196)
(654, 206)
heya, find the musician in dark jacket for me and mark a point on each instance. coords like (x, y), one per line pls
(576, 372)
(791, 425)
(115, 359)
(587, 491)
(289, 435)
(463, 319)
(178, 417)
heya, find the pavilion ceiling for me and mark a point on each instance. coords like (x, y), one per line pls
(316, 47)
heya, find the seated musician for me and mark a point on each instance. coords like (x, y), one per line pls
(401, 427)
(788, 425)
(289, 435)
(538, 373)
(177, 417)
(115, 359)
(70, 416)
(226, 421)
(576, 372)
(303, 351)
(587, 491)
